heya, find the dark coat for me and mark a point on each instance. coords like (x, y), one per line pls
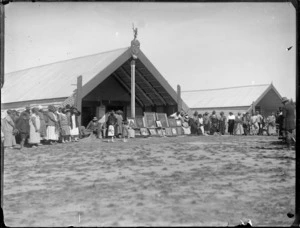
(22, 124)
(289, 122)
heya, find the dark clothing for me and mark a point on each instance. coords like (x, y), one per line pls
(230, 126)
(206, 123)
(22, 124)
(214, 127)
(222, 125)
(193, 126)
(289, 122)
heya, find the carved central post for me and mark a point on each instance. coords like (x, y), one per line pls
(133, 88)
(135, 48)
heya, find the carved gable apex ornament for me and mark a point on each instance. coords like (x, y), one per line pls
(135, 44)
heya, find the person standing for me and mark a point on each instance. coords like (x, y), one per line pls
(206, 123)
(231, 120)
(22, 124)
(52, 124)
(259, 122)
(200, 125)
(111, 122)
(43, 127)
(119, 124)
(271, 124)
(280, 123)
(246, 123)
(9, 129)
(238, 125)
(64, 127)
(34, 129)
(74, 124)
(289, 122)
(214, 127)
(222, 123)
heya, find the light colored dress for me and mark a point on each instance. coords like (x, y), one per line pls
(52, 133)
(239, 130)
(34, 137)
(74, 129)
(64, 124)
(7, 128)
(271, 125)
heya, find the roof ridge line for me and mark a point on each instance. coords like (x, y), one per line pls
(225, 88)
(67, 60)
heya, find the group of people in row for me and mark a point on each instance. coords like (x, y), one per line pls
(240, 124)
(281, 123)
(35, 126)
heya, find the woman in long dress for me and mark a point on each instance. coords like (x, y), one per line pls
(271, 124)
(74, 124)
(222, 123)
(43, 127)
(119, 123)
(214, 127)
(52, 132)
(34, 128)
(65, 127)
(8, 130)
(231, 120)
(238, 128)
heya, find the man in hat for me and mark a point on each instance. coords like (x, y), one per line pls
(289, 121)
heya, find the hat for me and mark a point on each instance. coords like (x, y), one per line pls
(284, 99)
(40, 107)
(95, 118)
(206, 113)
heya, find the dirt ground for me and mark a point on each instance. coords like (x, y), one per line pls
(170, 181)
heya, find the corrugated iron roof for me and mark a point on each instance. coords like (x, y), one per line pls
(55, 80)
(224, 97)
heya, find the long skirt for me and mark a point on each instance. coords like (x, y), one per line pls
(51, 133)
(74, 131)
(34, 137)
(230, 126)
(43, 129)
(119, 129)
(239, 130)
(111, 130)
(9, 139)
(65, 130)
(272, 130)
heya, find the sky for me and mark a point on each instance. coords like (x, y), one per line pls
(194, 45)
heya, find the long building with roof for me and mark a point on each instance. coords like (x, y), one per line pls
(106, 85)
(264, 98)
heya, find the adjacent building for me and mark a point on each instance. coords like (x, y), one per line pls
(264, 98)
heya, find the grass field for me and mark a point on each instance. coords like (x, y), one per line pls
(171, 181)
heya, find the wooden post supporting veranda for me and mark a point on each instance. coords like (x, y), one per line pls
(79, 98)
(132, 88)
(179, 102)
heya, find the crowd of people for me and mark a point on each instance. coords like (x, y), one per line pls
(35, 126)
(281, 123)
(240, 124)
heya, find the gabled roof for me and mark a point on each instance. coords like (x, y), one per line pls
(226, 97)
(55, 80)
(58, 80)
